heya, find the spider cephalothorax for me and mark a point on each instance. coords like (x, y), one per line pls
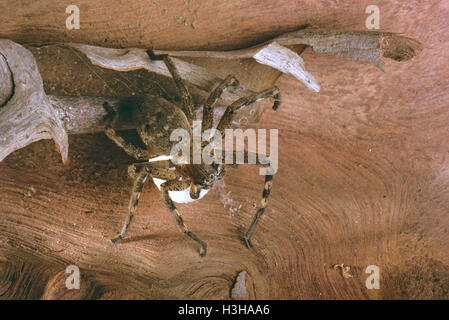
(155, 119)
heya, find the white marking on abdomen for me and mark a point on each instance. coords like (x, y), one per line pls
(182, 196)
(159, 158)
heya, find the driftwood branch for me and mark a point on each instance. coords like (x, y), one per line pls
(361, 46)
(273, 55)
(27, 114)
(85, 114)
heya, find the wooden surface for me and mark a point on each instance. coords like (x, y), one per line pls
(363, 165)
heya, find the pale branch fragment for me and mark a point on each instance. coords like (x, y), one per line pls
(287, 61)
(360, 46)
(273, 55)
(28, 115)
(85, 114)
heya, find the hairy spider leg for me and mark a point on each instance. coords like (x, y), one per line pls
(135, 152)
(134, 168)
(139, 182)
(262, 160)
(172, 183)
(260, 211)
(226, 119)
(176, 185)
(208, 115)
(186, 97)
(140, 177)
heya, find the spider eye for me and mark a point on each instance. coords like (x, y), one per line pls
(147, 127)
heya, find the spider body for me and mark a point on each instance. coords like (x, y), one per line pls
(155, 119)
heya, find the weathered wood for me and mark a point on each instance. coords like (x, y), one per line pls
(360, 46)
(28, 115)
(85, 114)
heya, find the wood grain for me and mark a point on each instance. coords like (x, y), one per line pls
(363, 165)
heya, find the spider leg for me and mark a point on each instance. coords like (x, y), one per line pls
(260, 211)
(262, 160)
(135, 152)
(226, 119)
(187, 100)
(139, 182)
(134, 168)
(208, 116)
(176, 185)
(140, 178)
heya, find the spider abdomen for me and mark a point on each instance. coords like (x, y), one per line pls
(156, 118)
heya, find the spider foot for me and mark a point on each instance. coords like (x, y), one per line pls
(203, 245)
(117, 239)
(248, 243)
(203, 250)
